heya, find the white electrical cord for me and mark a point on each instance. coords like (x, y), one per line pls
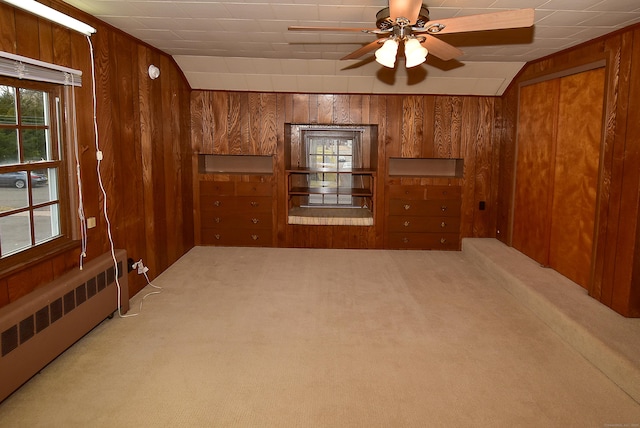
(149, 283)
(100, 183)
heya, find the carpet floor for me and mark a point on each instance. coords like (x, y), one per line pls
(277, 337)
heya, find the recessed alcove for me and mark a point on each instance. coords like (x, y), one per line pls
(330, 173)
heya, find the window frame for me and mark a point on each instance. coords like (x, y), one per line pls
(343, 176)
(60, 113)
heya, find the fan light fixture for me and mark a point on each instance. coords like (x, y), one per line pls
(52, 15)
(386, 55)
(414, 52)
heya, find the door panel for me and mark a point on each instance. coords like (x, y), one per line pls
(576, 174)
(537, 115)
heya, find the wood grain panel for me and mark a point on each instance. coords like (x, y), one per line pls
(483, 161)
(355, 108)
(220, 107)
(325, 108)
(236, 120)
(536, 136)
(7, 28)
(626, 295)
(27, 42)
(253, 127)
(197, 112)
(45, 42)
(300, 108)
(613, 173)
(413, 119)
(576, 174)
(268, 125)
(341, 111)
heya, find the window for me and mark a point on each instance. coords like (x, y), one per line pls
(333, 155)
(32, 207)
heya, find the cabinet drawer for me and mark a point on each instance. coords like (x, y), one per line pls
(253, 221)
(220, 219)
(236, 237)
(217, 203)
(407, 192)
(444, 192)
(425, 241)
(253, 204)
(256, 188)
(444, 208)
(220, 188)
(424, 224)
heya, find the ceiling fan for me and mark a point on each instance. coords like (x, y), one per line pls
(407, 22)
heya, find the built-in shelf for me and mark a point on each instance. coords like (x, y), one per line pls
(426, 167)
(235, 164)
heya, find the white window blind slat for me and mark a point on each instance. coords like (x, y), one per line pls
(22, 67)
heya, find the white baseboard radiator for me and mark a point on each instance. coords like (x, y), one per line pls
(38, 327)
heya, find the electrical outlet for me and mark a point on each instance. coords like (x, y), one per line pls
(91, 222)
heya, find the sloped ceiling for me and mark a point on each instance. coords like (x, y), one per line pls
(245, 45)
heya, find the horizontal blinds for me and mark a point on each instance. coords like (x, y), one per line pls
(21, 67)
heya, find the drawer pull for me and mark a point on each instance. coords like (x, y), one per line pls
(407, 206)
(443, 208)
(405, 240)
(217, 203)
(217, 236)
(443, 224)
(406, 224)
(255, 220)
(443, 240)
(217, 219)
(254, 204)
(255, 237)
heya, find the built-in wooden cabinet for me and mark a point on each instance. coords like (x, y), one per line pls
(236, 201)
(424, 217)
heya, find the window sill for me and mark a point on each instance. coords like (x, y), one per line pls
(331, 216)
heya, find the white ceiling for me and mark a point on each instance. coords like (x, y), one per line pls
(245, 45)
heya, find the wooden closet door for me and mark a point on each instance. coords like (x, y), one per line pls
(537, 118)
(575, 182)
(559, 139)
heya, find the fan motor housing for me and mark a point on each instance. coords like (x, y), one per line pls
(384, 21)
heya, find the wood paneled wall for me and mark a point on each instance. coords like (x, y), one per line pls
(144, 134)
(408, 126)
(615, 269)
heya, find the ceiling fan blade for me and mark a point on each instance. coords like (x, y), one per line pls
(301, 28)
(363, 50)
(409, 9)
(488, 21)
(442, 50)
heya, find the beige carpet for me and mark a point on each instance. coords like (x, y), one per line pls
(247, 337)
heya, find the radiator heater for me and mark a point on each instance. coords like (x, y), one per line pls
(36, 328)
